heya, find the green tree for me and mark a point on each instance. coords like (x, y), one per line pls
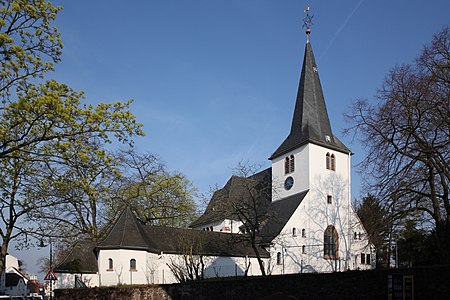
(407, 137)
(378, 224)
(44, 130)
(29, 45)
(157, 196)
(417, 246)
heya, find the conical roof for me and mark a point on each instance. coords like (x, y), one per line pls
(126, 233)
(310, 123)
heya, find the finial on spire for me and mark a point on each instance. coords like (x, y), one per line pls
(307, 22)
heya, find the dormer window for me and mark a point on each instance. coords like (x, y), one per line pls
(289, 164)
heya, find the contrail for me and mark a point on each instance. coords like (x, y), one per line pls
(338, 32)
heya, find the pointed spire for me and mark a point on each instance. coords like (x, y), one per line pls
(310, 123)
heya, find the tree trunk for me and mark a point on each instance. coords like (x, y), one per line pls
(258, 257)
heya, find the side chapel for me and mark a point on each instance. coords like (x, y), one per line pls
(316, 228)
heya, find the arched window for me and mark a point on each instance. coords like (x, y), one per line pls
(294, 231)
(303, 249)
(328, 161)
(303, 232)
(279, 258)
(291, 164)
(110, 264)
(132, 264)
(330, 243)
(355, 236)
(333, 162)
(286, 165)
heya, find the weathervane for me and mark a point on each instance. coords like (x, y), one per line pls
(307, 21)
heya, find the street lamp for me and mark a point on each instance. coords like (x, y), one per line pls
(50, 271)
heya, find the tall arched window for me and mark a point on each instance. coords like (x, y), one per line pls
(303, 232)
(286, 165)
(294, 231)
(110, 264)
(330, 243)
(279, 258)
(132, 264)
(328, 161)
(333, 162)
(291, 164)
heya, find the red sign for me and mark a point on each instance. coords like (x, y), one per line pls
(50, 275)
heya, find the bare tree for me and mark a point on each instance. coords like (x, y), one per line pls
(406, 134)
(248, 204)
(190, 264)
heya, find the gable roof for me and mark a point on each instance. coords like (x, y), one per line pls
(237, 187)
(13, 279)
(157, 239)
(279, 213)
(310, 123)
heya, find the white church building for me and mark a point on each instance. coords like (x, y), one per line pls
(308, 223)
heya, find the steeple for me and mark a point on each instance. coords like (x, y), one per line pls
(310, 123)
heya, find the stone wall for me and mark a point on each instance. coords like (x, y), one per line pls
(429, 283)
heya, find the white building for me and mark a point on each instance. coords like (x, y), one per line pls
(307, 224)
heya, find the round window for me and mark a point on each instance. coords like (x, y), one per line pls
(288, 183)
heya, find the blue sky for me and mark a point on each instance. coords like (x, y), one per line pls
(214, 82)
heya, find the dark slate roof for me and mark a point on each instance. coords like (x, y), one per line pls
(126, 233)
(279, 213)
(235, 188)
(157, 239)
(81, 259)
(12, 279)
(310, 123)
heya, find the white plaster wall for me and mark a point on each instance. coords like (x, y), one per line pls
(67, 280)
(226, 226)
(154, 268)
(11, 261)
(121, 273)
(300, 175)
(314, 215)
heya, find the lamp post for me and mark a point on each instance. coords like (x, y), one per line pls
(42, 245)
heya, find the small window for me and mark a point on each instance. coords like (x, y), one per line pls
(329, 199)
(355, 236)
(328, 161)
(333, 162)
(294, 231)
(211, 228)
(303, 233)
(279, 258)
(304, 249)
(359, 235)
(368, 259)
(132, 264)
(110, 264)
(363, 258)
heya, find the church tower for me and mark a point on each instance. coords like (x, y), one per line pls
(311, 149)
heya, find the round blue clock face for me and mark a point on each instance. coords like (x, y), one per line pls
(288, 183)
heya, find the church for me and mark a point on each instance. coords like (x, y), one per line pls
(301, 209)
